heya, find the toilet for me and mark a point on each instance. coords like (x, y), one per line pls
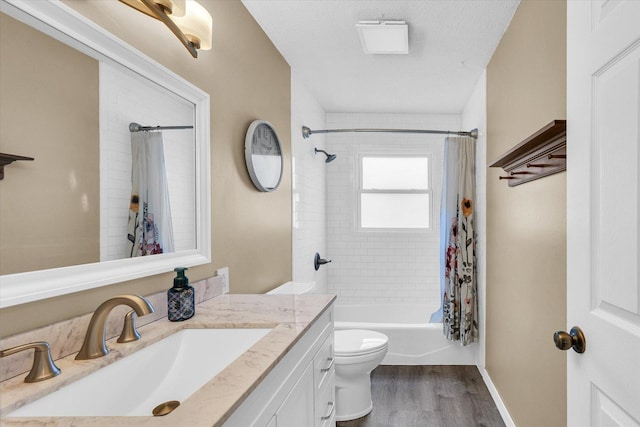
(357, 353)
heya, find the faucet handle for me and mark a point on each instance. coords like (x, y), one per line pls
(317, 261)
(129, 331)
(43, 367)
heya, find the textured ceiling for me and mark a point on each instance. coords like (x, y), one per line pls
(450, 44)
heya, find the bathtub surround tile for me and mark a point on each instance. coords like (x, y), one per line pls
(378, 267)
(66, 337)
(309, 188)
(289, 316)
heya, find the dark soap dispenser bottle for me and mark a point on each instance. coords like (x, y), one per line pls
(181, 298)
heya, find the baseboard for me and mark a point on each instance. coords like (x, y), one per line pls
(506, 417)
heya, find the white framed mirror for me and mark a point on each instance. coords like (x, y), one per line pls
(116, 58)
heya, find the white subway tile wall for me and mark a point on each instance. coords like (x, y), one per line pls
(126, 98)
(309, 171)
(373, 266)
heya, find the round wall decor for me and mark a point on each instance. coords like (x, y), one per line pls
(263, 155)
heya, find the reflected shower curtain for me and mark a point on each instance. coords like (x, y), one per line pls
(459, 311)
(150, 229)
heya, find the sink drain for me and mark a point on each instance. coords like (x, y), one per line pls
(165, 408)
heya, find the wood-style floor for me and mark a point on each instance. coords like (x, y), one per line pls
(429, 396)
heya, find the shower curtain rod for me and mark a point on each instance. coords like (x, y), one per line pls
(473, 133)
(135, 127)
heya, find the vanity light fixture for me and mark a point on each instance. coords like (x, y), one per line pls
(189, 21)
(384, 37)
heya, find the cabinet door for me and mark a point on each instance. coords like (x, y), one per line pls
(325, 403)
(297, 408)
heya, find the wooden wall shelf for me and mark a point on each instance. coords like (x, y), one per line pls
(7, 159)
(542, 154)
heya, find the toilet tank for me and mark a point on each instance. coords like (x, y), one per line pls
(294, 288)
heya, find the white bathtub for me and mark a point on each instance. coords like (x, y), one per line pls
(412, 340)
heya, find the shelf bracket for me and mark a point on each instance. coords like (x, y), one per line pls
(7, 159)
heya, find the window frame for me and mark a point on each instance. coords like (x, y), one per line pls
(359, 190)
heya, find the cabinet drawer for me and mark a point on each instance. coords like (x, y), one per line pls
(325, 408)
(323, 362)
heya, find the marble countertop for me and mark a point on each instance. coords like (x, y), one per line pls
(289, 316)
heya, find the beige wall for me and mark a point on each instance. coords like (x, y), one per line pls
(47, 95)
(247, 79)
(526, 225)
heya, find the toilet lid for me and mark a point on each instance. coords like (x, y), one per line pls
(356, 342)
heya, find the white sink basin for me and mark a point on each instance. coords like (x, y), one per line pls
(171, 369)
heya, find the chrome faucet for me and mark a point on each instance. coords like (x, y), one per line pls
(94, 345)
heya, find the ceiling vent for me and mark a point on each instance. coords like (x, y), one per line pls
(384, 37)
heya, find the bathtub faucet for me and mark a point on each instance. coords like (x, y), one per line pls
(317, 261)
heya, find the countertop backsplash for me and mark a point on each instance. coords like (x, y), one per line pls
(66, 337)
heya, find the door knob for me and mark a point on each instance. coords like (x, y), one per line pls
(574, 339)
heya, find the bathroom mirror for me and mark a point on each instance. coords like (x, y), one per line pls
(114, 58)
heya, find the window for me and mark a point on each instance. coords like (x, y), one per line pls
(395, 192)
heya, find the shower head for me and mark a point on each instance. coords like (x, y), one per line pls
(330, 157)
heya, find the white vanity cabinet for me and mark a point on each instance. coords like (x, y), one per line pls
(298, 407)
(300, 390)
(324, 384)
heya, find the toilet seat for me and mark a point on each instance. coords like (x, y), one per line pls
(359, 342)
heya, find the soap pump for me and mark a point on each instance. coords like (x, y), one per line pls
(181, 297)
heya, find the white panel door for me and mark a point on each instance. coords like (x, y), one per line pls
(603, 192)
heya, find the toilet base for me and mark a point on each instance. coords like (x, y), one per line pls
(353, 397)
(349, 417)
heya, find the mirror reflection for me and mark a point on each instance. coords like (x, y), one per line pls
(74, 204)
(147, 185)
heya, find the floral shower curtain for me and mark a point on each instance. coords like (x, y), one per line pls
(459, 311)
(150, 229)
